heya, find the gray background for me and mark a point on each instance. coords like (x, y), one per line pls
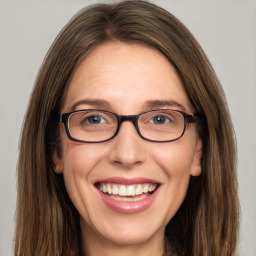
(226, 29)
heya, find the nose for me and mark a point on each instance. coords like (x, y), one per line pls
(128, 148)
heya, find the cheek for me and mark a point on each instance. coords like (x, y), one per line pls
(174, 158)
(79, 161)
(175, 161)
(81, 158)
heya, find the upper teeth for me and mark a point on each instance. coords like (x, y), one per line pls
(129, 190)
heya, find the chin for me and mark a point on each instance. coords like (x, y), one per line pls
(132, 237)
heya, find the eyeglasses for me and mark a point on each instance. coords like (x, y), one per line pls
(93, 125)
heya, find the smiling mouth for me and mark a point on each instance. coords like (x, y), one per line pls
(123, 192)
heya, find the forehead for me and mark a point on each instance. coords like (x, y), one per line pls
(124, 74)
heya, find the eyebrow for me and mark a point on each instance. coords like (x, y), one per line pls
(150, 104)
(164, 103)
(93, 102)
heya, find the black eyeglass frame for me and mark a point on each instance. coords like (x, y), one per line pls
(133, 118)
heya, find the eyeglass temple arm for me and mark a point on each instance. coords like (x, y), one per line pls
(199, 119)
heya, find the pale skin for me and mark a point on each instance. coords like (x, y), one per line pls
(127, 77)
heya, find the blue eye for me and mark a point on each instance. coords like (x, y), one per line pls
(92, 119)
(160, 120)
(95, 120)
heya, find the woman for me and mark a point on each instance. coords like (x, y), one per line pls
(127, 145)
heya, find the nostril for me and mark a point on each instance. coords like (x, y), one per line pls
(127, 157)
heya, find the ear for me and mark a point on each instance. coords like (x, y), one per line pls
(196, 166)
(57, 162)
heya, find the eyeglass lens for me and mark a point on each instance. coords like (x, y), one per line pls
(95, 125)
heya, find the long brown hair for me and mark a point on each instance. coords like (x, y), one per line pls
(207, 222)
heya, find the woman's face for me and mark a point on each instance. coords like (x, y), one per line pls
(127, 79)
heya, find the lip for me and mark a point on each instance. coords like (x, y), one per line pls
(128, 181)
(128, 207)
